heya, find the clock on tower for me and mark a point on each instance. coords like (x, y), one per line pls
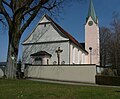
(90, 23)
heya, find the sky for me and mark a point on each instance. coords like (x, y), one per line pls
(72, 19)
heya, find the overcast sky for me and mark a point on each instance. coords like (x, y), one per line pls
(72, 20)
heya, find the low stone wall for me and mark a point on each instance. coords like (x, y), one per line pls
(76, 73)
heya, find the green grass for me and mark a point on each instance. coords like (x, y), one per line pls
(24, 89)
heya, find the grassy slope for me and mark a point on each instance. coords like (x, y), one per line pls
(23, 89)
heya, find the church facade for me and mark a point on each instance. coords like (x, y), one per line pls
(50, 44)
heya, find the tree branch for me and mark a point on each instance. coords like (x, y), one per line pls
(4, 12)
(42, 2)
(29, 20)
(2, 21)
(6, 4)
(33, 15)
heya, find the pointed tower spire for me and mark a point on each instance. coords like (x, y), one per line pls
(91, 12)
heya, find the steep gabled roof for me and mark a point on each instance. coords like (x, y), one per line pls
(71, 38)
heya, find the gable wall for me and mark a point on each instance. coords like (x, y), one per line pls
(45, 33)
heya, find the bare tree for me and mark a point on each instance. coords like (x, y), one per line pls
(110, 44)
(105, 39)
(115, 28)
(18, 15)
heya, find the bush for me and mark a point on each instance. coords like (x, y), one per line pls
(19, 74)
(108, 80)
(109, 72)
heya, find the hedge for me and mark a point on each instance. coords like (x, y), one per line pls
(108, 80)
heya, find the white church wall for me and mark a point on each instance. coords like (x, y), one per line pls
(45, 33)
(82, 73)
(44, 19)
(48, 47)
(71, 53)
(27, 51)
(74, 55)
(77, 56)
(83, 58)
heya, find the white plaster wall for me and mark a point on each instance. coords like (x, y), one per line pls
(48, 47)
(83, 58)
(43, 20)
(45, 33)
(79, 52)
(64, 73)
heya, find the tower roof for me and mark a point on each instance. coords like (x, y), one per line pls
(91, 12)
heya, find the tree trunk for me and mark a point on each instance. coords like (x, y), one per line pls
(12, 55)
(10, 68)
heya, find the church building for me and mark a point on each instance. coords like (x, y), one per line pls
(50, 44)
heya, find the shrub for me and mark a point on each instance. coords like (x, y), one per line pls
(108, 80)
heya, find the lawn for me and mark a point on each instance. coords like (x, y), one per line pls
(24, 89)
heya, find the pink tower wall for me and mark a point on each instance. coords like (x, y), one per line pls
(92, 40)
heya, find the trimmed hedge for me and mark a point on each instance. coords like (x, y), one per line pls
(108, 80)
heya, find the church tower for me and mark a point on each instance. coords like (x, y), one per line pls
(92, 36)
